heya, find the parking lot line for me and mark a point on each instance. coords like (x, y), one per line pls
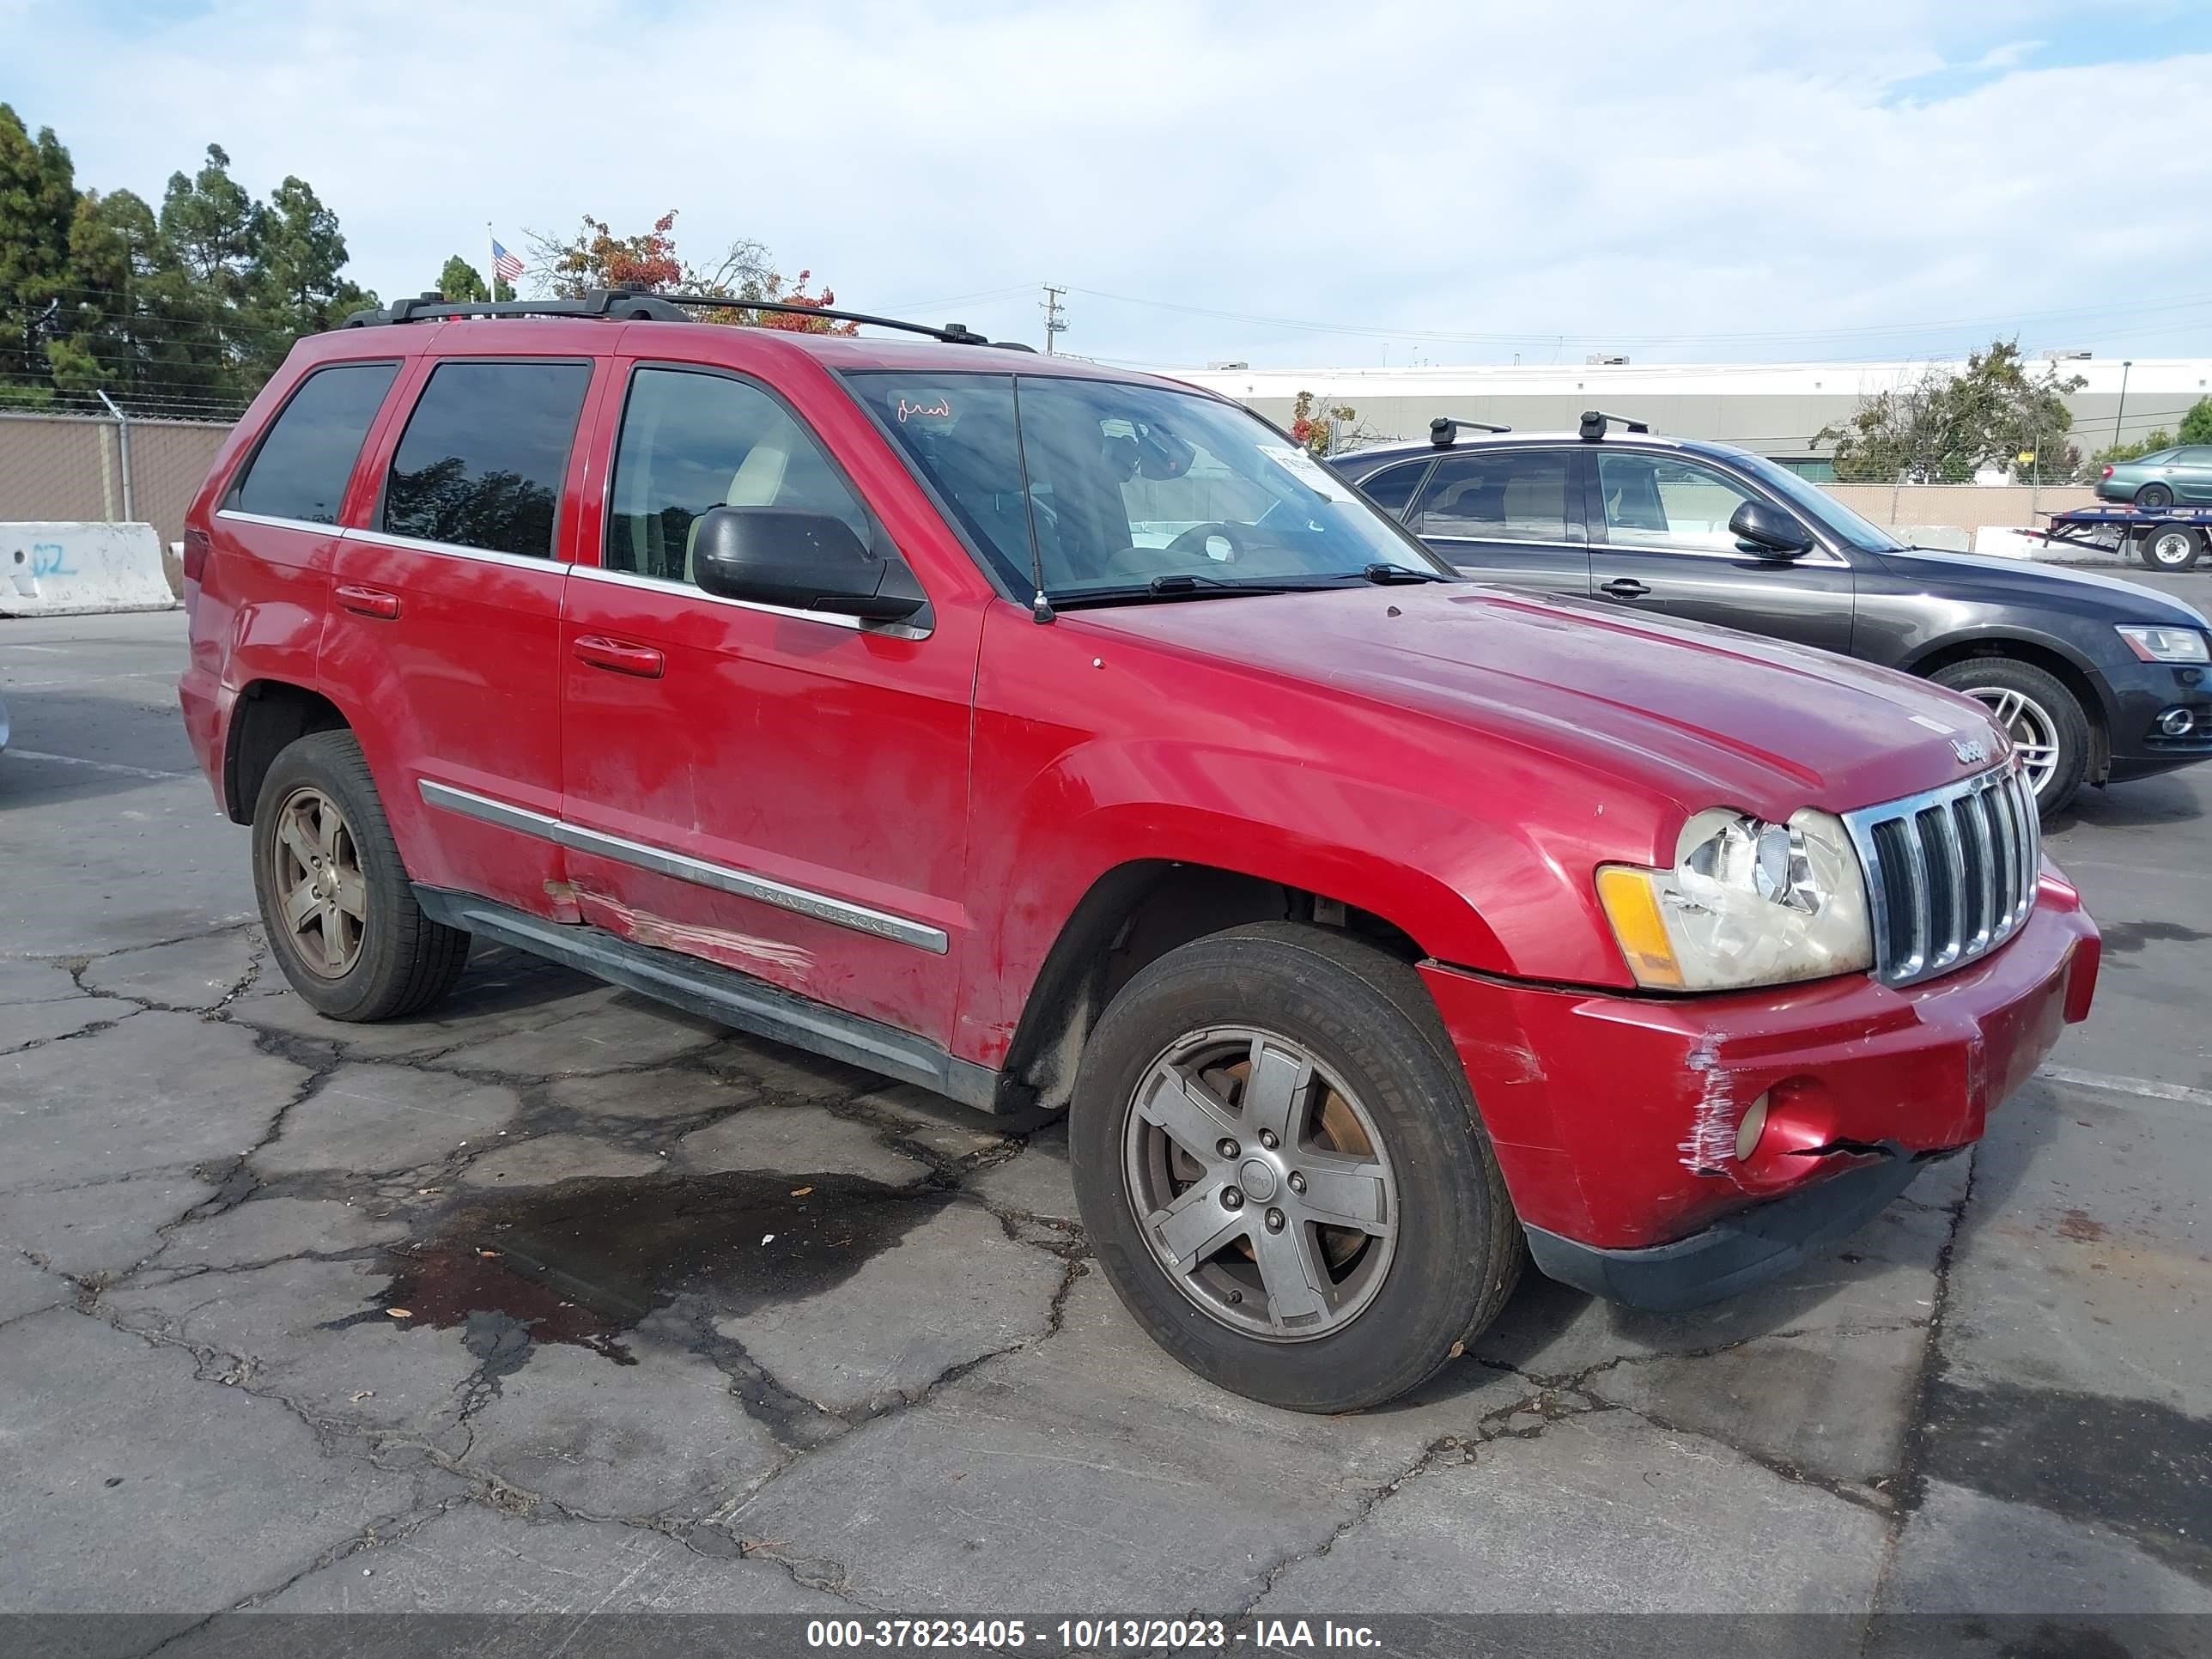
(2145, 1087)
(116, 767)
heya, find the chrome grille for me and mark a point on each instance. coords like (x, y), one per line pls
(1950, 874)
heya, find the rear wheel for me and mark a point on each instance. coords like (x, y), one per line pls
(2155, 497)
(1281, 1170)
(335, 900)
(2170, 547)
(2049, 729)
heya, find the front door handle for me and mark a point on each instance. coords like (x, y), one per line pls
(367, 601)
(1625, 587)
(620, 658)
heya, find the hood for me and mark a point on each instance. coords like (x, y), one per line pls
(2019, 581)
(1706, 716)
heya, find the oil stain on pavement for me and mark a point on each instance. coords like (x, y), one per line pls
(584, 1262)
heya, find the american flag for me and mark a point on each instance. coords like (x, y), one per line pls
(504, 265)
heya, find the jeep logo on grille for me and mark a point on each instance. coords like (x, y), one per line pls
(1971, 752)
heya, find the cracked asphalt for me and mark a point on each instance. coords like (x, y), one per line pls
(556, 1301)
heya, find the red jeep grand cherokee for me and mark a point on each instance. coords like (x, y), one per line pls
(1059, 738)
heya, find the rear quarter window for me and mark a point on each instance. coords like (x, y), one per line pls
(482, 460)
(301, 469)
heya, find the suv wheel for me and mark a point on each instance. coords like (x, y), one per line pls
(335, 899)
(2048, 728)
(2170, 547)
(2155, 497)
(1282, 1171)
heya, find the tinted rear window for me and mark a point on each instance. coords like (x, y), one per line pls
(300, 470)
(482, 460)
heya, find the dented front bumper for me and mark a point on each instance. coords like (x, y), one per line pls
(1614, 1116)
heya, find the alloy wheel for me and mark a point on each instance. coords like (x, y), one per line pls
(1260, 1184)
(315, 870)
(2034, 734)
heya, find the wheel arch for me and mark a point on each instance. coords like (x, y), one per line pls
(1132, 916)
(268, 715)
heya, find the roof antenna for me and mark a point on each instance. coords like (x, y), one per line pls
(1040, 607)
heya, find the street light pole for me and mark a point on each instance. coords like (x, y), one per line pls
(2126, 363)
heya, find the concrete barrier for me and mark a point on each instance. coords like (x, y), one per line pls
(69, 569)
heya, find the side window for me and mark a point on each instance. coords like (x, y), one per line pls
(300, 470)
(2196, 455)
(691, 441)
(1392, 488)
(1660, 502)
(1504, 496)
(482, 460)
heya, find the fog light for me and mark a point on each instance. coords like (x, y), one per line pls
(2178, 722)
(1748, 1132)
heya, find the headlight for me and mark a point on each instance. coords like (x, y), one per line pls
(1748, 902)
(2166, 644)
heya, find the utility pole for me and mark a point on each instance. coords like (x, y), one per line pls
(2125, 365)
(1055, 318)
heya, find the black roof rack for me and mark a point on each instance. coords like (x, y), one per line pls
(1594, 423)
(634, 305)
(1443, 431)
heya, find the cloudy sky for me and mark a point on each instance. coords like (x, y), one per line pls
(1287, 182)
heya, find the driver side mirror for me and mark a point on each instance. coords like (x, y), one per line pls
(1768, 532)
(807, 561)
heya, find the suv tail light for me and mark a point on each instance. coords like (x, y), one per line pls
(2108, 472)
(198, 546)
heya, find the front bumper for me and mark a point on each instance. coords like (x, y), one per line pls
(1734, 1254)
(2141, 692)
(1614, 1117)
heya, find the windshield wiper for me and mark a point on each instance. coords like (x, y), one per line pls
(1184, 585)
(1383, 575)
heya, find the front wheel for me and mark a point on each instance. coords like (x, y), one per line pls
(2156, 497)
(1281, 1170)
(2050, 730)
(2170, 547)
(341, 917)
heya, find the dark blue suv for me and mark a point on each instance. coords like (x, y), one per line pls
(2097, 679)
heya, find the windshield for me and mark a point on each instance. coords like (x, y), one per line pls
(1817, 503)
(1131, 490)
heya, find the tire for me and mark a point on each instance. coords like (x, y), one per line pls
(2155, 496)
(1381, 1069)
(2170, 547)
(2040, 713)
(365, 951)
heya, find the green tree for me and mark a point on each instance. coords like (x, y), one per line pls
(459, 279)
(293, 282)
(2117, 453)
(38, 200)
(2197, 425)
(1946, 424)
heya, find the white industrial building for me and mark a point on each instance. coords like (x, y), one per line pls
(1776, 408)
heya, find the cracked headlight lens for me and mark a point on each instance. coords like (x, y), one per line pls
(1748, 902)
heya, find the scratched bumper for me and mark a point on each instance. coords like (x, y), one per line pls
(1614, 1117)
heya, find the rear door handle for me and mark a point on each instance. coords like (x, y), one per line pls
(619, 657)
(1625, 587)
(367, 601)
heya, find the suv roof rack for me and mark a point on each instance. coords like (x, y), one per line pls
(1594, 423)
(635, 305)
(1443, 431)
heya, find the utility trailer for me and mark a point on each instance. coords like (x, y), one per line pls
(2165, 538)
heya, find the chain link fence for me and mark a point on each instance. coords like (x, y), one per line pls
(114, 466)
